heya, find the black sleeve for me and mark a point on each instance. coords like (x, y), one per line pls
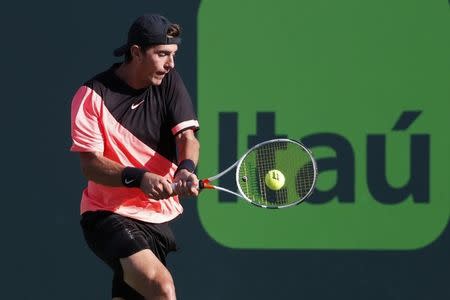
(179, 105)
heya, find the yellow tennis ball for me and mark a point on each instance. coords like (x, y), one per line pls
(274, 180)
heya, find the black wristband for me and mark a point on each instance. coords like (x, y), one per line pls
(187, 164)
(132, 177)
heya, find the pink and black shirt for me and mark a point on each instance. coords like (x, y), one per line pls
(134, 128)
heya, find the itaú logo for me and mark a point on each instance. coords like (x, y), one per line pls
(374, 193)
(343, 162)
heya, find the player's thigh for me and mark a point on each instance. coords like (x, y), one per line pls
(144, 268)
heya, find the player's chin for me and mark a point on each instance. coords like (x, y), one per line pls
(157, 80)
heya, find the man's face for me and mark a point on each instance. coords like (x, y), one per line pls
(156, 62)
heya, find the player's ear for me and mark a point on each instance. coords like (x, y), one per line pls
(136, 53)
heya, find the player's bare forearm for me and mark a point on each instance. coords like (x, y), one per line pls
(188, 146)
(100, 169)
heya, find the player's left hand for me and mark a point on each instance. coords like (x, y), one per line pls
(186, 183)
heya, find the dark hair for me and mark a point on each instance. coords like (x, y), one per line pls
(173, 31)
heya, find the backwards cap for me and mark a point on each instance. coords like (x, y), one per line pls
(148, 30)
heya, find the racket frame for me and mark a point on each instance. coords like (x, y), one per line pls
(205, 183)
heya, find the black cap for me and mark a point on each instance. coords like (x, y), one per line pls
(148, 30)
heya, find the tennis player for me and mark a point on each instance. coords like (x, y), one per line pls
(134, 126)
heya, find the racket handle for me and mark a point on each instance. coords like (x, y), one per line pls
(201, 185)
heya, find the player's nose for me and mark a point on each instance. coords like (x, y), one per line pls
(170, 63)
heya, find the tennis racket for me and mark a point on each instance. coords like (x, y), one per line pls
(276, 173)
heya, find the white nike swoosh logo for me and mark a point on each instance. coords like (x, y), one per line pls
(135, 105)
(128, 181)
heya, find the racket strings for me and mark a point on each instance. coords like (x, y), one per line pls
(304, 179)
(267, 156)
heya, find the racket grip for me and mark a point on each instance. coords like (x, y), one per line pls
(201, 185)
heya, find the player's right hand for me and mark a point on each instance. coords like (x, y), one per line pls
(156, 186)
(185, 183)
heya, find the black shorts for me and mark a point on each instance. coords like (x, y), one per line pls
(111, 237)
